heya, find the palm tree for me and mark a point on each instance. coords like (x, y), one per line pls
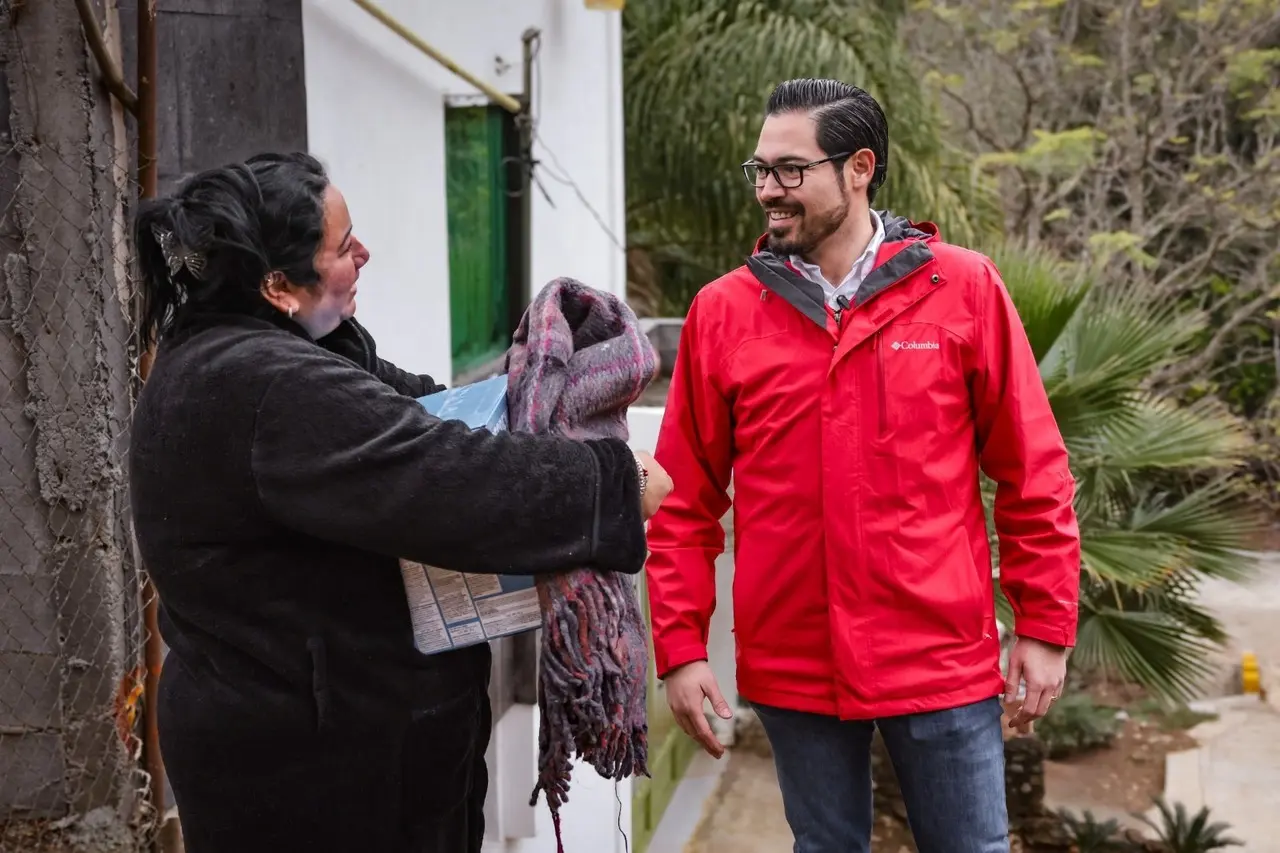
(697, 74)
(1158, 504)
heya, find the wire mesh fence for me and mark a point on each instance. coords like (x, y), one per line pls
(71, 612)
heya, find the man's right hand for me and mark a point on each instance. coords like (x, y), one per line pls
(659, 486)
(687, 688)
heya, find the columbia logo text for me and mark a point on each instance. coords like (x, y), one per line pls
(915, 345)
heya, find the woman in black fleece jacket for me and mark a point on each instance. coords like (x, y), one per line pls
(278, 470)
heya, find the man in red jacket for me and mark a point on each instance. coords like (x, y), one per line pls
(854, 377)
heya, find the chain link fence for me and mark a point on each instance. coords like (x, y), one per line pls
(72, 631)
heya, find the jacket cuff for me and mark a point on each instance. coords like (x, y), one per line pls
(677, 656)
(618, 535)
(1045, 631)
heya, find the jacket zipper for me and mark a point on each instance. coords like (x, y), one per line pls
(842, 305)
(882, 401)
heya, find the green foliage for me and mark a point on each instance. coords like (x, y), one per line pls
(1155, 497)
(1180, 833)
(1051, 153)
(1089, 835)
(697, 75)
(1176, 832)
(1104, 245)
(1142, 138)
(1249, 69)
(1075, 724)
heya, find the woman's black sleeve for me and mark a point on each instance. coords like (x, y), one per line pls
(404, 382)
(341, 456)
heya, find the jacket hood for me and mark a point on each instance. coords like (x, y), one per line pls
(901, 228)
(896, 228)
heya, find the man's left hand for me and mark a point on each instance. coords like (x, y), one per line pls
(1043, 666)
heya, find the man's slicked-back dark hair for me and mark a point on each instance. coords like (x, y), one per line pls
(848, 119)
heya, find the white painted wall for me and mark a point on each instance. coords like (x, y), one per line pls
(375, 117)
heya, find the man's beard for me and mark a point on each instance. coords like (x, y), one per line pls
(812, 230)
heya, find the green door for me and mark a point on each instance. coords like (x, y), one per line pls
(480, 269)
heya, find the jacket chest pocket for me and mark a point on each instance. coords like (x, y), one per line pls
(919, 387)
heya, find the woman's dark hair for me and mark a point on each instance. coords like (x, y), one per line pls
(848, 119)
(235, 224)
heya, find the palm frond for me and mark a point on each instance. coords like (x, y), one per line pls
(1157, 433)
(1176, 599)
(1125, 335)
(1140, 432)
(1046, 291)
(1141, 646)
(1206, 531)
(1095, 371)
(1214, 523)
(1135, 558)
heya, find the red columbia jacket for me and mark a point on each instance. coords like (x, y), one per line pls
(863, 575)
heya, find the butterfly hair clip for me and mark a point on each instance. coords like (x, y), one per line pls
(176, 255)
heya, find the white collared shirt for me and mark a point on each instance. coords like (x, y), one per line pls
(861, 267)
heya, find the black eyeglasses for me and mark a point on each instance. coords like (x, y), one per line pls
(788, 175)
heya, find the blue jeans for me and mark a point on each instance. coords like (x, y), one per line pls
(949, 764)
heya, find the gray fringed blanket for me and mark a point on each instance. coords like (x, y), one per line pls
(577, 361)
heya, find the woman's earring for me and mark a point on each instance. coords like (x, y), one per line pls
(291, 310)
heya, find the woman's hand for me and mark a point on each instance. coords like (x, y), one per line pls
(658, 487)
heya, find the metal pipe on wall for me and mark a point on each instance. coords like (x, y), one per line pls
(153, 652)
(524, 657)
(148, 63)
(502, 99)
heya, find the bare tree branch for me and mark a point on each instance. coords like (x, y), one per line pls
(1200, 362)
(1177, 188)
